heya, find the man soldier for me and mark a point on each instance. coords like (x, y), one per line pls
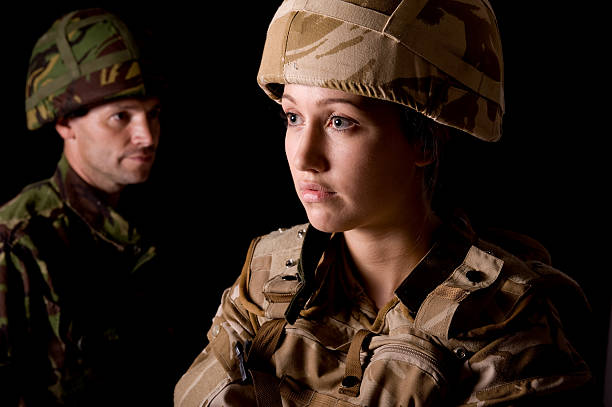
(80, 299)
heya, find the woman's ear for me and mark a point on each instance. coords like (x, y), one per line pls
(427, 154)
(424, 156)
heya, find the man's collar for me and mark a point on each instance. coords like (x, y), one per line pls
(92, 205)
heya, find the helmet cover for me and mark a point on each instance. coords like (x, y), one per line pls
(86, 57)
(442, 58)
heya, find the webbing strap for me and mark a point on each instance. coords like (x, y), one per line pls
(267, 391)
(351, 382)
(405, 12)
(345, 11)
(65, 49)
(265, 342)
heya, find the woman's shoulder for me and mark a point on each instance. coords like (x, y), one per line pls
(528, 324)
(500, 281)
(521, 299)
(280, 240)
(526, 262)
(530, 287)
(270, 275)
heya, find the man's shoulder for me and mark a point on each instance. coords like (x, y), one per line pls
(37, 199)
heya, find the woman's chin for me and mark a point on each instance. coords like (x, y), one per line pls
(325, 222)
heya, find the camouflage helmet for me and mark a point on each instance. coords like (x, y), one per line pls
(442, 58)
(86, 57)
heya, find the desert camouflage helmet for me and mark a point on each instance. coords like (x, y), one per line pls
(86, 57)
(442, 58)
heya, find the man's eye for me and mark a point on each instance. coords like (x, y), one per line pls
(341, 123)
(120, 116)
(154, 114)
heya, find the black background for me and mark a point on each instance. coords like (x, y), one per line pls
(221, 177)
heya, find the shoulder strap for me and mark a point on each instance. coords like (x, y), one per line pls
(478, 270)
(265, 384)
(269, 270)
(265, 343)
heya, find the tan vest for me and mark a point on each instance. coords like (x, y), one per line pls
(255, 357)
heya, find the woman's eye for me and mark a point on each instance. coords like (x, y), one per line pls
(293, 119)
(341, 123)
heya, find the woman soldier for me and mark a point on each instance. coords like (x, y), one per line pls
(379, 300)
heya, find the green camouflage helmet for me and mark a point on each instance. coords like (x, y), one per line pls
(442, 58)
(86, 57)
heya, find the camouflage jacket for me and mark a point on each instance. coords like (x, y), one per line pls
(77, 294)
(472, 325)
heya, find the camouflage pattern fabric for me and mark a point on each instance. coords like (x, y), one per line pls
(472, 325)
(82, 302)
(86, 57)
(442, 58)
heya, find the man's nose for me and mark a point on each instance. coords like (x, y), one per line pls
(144, 133)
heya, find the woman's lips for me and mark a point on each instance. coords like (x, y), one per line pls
(312, 192)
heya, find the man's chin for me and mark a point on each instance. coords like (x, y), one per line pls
(135, 177)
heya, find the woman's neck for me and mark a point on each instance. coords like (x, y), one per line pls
(385, 257)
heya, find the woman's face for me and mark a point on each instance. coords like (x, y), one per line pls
(351, 164)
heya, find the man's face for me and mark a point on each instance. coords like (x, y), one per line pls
(114, 144)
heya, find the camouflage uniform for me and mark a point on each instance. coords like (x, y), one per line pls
(77, 288)
(477, 322)
(472, 325)
(84, 302)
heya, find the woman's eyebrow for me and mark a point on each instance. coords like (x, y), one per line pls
(288, 97)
